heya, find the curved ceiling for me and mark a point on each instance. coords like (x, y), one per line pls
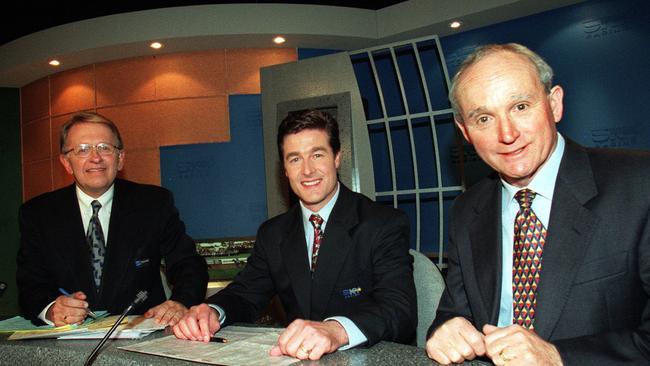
(200, 27)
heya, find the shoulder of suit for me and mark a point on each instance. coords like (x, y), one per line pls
(47, 199)
(139, 189)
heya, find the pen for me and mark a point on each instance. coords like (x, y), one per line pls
(218, 340)
(66, 293)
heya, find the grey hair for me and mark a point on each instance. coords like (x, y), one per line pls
(544, 70)
(89, 117)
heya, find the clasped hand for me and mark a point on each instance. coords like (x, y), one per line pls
(458, 340)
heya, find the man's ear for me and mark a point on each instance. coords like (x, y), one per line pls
(66, 163)
(463, 129)
(556, 98)
(337, 159)
(120, 160)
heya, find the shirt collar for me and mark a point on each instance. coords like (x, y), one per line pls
(105, 199)
(325, 211)
(543, 183)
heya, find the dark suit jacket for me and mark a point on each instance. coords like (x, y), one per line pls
(592, 300)
(144, 228)
(365, 245)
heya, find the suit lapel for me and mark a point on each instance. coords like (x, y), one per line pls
(294, 254)
(334, 249)
(570, 230)
(485, 236)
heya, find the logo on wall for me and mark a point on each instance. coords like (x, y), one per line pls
(603, 27)
(624, 136)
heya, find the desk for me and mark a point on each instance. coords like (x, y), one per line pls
(74, 352)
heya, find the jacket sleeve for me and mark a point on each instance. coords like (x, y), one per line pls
(391, 311)
(37, 286)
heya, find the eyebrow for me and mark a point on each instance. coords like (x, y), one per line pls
(311, 151)
(482, 109)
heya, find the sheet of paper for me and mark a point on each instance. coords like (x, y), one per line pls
(132, 327)
(246, 346)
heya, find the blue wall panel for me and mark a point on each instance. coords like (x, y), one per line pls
(220, 188)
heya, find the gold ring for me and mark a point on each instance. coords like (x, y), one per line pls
(503, 356)
(302, 348)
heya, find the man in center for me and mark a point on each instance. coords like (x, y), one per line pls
(338, 261)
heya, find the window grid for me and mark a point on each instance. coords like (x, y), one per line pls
(431, 115)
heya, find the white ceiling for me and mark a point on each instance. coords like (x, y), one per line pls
(202, 27)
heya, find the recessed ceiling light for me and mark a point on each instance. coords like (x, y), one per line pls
(279, 40)
(54, 63)
(156, 45)
(455, 24)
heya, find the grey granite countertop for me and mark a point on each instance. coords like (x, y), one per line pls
(74, 352)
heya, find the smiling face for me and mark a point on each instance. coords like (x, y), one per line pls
(311, 165)
(95, 173)
(508, 116)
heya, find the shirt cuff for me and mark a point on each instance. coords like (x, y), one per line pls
(44, 313)
(355, 336)
(222, 313)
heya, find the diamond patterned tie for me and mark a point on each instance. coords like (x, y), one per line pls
(529, 239)
(316, 221)
(95, 239)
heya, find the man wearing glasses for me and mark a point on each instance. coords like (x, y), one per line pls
(97, 243)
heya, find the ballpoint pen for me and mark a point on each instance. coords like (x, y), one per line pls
(218, 339)
(66, 293)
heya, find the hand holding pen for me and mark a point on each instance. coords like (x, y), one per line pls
(69, 308)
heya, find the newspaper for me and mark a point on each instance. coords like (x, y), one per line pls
(246, 346)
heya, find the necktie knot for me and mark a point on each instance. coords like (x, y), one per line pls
(96, 206)
(525, 198)
(316, 220)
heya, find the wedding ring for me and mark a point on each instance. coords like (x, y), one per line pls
(503, 356)
(302, 348)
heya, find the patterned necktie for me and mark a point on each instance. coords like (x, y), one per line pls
(316, 221)
(95, 239)
(529, 239)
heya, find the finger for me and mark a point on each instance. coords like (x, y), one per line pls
(167, 316)
(473, 343)
(204, 324)
(184, 327)
(275, 351)
(174, 319)
(71, 302)
(178, 330)
(293, 346)
(288, 334)
(79, 295)
(318, 351)
(489, 329)
(438, 356)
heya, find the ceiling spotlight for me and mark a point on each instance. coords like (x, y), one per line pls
(279, 40)
(455, 24)
(156, 45)
(54, 63)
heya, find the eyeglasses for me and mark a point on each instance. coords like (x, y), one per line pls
(84, 150)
